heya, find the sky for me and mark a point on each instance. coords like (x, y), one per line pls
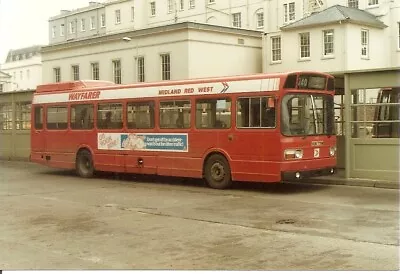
(24, 23)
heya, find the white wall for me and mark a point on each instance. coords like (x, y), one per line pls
(194, 53)
(33, 65)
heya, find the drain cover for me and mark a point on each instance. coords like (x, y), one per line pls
(286, 221)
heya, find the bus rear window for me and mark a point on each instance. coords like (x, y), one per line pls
(38, 117)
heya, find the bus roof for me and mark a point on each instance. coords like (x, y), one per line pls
(72, 86)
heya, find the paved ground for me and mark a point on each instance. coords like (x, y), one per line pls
(51, 219)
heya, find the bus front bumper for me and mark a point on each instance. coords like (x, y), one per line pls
(299, 175)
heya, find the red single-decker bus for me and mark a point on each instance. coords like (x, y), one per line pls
(263, 128)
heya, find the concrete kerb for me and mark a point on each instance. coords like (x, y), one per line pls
(352, 182)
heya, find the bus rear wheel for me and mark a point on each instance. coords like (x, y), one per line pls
(217, 172)
(84, 164)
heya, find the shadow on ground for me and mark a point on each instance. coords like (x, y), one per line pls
(270, 188)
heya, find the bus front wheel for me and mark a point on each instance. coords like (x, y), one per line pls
(84, 164)
(217, 172)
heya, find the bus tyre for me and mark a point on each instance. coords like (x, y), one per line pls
(217, 172)
(84, 164)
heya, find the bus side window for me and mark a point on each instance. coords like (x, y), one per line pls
(140, 115)
(109, 116)
(256, 112)
(57, 117)
(213, 113)
(82, 116)
(38, 112)
(175, 114)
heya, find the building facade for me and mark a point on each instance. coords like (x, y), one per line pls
(115, 16)
(24, 66)
(358, 41)
(172, 52)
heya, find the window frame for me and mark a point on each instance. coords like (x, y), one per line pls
(165, 66)
(140, 69)
(90, 122)
(113, 110)
(75, 72)
(305, 45)
(103, 20)
(23, 115)
(151, 108)
(179, 109)
(352, 4)
(237, 20)
(153, 8)
(62, 30)
(117, 71)
(276, 52)
(365, 43)
(326, 34)
(65, 124)
(83, 24)
(57, 74)
(95, 70)
(117, 16)
(258, 19)
(7, 121)
(260, 98)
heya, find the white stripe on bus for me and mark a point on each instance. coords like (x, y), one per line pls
(258, 85)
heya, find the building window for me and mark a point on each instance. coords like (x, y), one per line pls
(276, 48)
(153, 8)
(260, 19)
(53, 33)
(118, 17)
(93, 22)
(1, 88)
(166, 66)
(6, 121)
(28, 74)
(23, 116)
(62, 28)
(140, 69)
(289, 12)
(353, 4)
(328, 42)
(57, 75)
(117, 71)
(305, 45)
(237, 20)
(83, 25)
(398, 43)
(103, 20)
(175, 114)
(95, 71)
(132, 14)
(72, 27)
(75, 72)
(182, 4)
(373, 2)
(364, 43)
(192, 4)
(21, 75)
(170, 6)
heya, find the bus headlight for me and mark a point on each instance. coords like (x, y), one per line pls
(332, 151)
(293, 154)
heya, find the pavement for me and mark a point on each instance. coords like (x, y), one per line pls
(53, 219)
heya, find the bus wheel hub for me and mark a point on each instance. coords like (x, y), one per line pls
(217, 171)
